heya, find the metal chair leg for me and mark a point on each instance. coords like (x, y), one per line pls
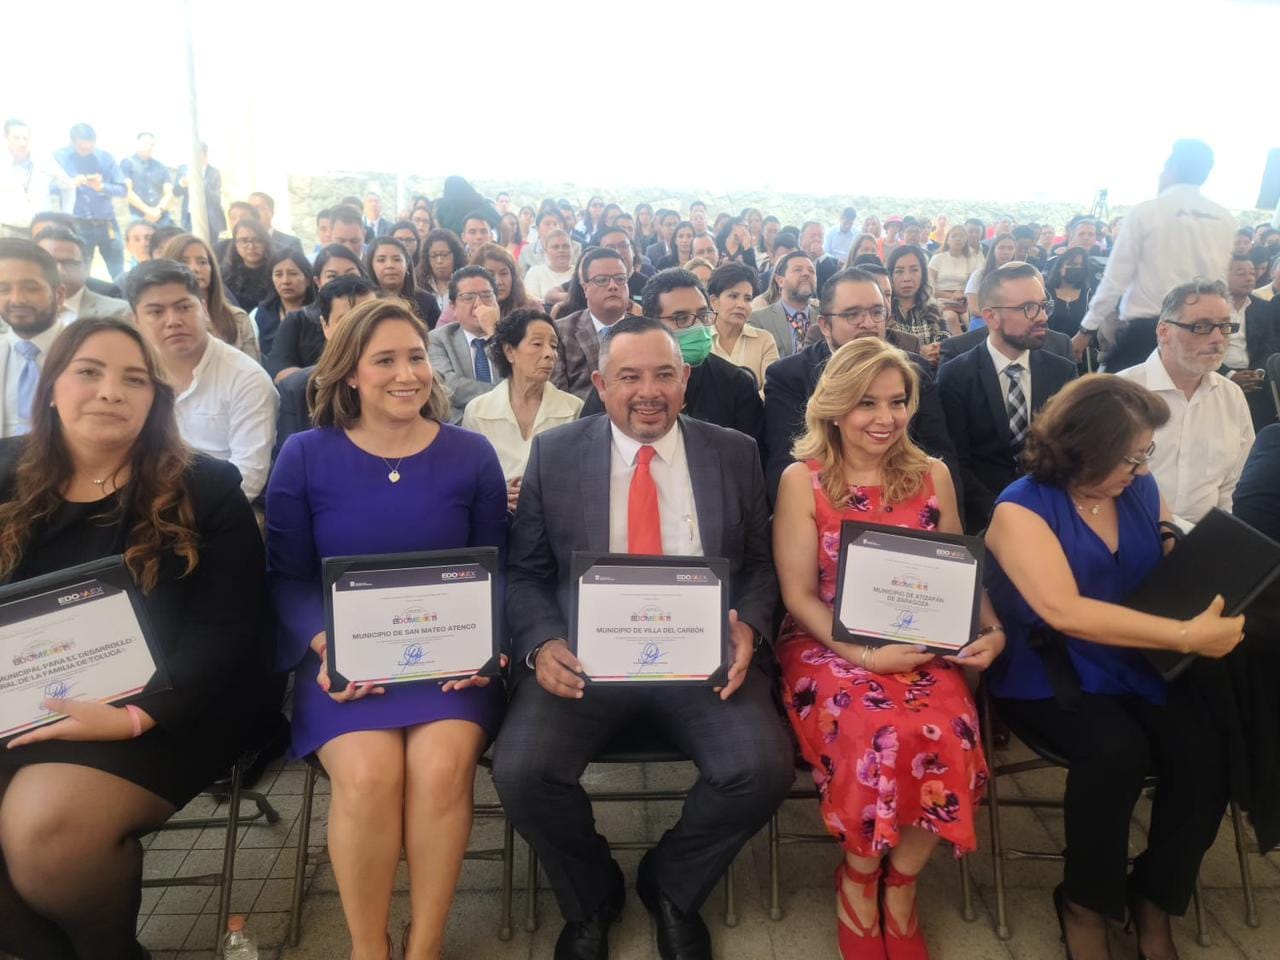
(993, 812)
(1246, 872)
(531, 888)
(1202, 928)
(228, 858)
(300, 863)
(966, 892)
(730, 908)
(508, 869)
(775, 900)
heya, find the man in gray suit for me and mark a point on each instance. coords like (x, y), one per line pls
(604, 276)
(792, 315)
(71, 253)
(457, 351)
(31, 295)
(710, 501)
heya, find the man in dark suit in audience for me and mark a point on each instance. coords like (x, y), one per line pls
(852, 305)
(717, 392)
(336, 299)
(950, 348)
(1250, 347)
(641, 479)
(604, 277)
(991, 393)
(1256, 499)
(459, 351)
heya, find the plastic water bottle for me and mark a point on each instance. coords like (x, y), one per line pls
(239, 944)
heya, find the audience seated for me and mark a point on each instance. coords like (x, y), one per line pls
(72, 257)
(31, 297)
(229, 323)
(1255, 339)
(731, 289)
(293, 287)
(300, 337)
(603, 279)
(226, 404)
(790, 316)
(388, 262)
(77, 794)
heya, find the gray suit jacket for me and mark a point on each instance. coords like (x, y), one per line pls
(451, 360)
(578, 354)
(564, 506)
(952, 347)
(96, 305)
(773, 319)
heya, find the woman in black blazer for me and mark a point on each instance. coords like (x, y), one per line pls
(102, 472)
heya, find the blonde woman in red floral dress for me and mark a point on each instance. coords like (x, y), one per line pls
(891, 732)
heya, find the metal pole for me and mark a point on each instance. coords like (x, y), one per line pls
(195, 169)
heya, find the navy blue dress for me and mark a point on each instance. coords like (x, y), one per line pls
(1019, 673)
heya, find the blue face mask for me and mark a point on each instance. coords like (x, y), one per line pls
(695, 344)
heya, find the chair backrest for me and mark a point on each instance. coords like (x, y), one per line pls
(1273, 379)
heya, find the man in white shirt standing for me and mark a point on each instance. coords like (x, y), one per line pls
(27, 185)
(31, 295)
(226, 403)
(1200, 452)
(1175, 238)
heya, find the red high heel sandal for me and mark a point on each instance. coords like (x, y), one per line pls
(859, 942)
(900, 944)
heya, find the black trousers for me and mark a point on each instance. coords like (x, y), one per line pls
(1112, 744)
(745, 760)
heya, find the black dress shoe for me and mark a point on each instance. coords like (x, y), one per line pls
(681, 936)
(589, 939)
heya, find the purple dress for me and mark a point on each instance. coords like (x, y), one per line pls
(329, 498)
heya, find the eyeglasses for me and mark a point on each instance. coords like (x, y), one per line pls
(1030, 310)
(248, 242)
(1202, 328)
(1143, 460)
(440, 257)
(683, 321)
(857, 313)
(484, 297)
(601, 283)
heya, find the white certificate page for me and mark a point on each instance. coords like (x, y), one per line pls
(904, 590)
(650, 624)
(81, 642)
(412, 623)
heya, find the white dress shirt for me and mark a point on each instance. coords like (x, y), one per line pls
(1002, 363)
(1202, 449)
(677, 511)
(229, 412)
(1175, 238)
(14, 424)
(492, 416)
(71, 308)
(1237, 357)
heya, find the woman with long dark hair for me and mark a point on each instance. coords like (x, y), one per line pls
(509, 235)
(104, 472)
(682, 246)
(247, 271)
(733, 241)
(229, 323)
(300, 339)
(645, 233)
(914, 310)
(442, 253)
(293, 287)
(407, 233)
(387, 261)
(506, 277)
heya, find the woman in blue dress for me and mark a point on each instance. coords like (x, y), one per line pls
(1070, 541)
(383, 472)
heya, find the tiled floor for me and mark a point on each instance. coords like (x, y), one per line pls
(178, 923)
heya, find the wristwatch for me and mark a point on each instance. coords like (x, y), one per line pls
(531, 659)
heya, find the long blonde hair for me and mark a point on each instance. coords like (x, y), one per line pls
(335, 404)
(846, 379)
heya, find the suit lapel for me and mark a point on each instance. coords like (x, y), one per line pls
(991, 388)
(593, 480)
(462, 353)
(589, 342)
(708, 488)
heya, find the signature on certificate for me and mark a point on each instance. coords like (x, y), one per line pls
(650, 655)
(904, 621)
(56, 690)
(411, 658)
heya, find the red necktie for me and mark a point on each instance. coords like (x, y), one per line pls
(644, 527)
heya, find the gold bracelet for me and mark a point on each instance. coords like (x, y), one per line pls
(866, 652)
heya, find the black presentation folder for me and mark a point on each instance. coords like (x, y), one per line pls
(1222, 554)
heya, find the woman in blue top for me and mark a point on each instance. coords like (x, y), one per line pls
(1070, 541)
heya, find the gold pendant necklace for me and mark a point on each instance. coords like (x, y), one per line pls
(394, 475)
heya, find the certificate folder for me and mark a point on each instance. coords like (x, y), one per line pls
(406, 617)
(650, 619)
(898, 585)
(1222, 554)
(74, 633)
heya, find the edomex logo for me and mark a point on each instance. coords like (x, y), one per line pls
(693, 578)
(88, 593)
(458, 575)
(38, 651)
(651, 614)
(413, 615)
